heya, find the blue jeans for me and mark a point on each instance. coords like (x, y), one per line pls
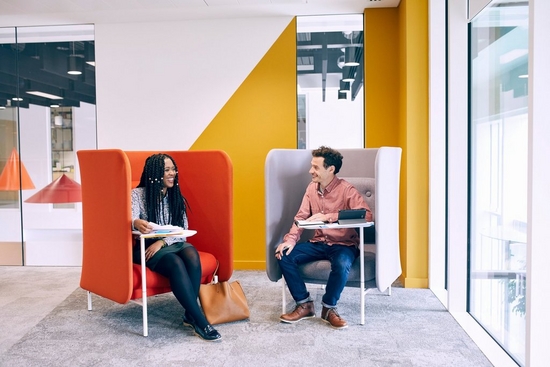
(341, 258)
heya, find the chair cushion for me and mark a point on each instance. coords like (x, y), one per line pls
(318, 271)
(365, 186)
(158, 284)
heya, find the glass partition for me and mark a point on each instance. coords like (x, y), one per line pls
(330, 81)
(47, 113)
(10, 162)
(498, 172)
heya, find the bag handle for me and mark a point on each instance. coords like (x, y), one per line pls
(214, 275)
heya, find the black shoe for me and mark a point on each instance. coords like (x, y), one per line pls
(208, 333)
(188, 320)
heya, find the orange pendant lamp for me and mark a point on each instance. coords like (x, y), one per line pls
(11, 178)
(61, 190)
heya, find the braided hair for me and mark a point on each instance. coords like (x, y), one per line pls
(151, 180)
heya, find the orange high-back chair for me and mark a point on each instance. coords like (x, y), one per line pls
(107, 178)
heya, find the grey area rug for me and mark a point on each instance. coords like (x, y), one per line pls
(408, 328)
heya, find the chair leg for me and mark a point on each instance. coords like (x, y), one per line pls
(89, 300)
(143, 286)
(389, 290)
(145, 323)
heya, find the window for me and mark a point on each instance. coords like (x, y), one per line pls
(498, 173)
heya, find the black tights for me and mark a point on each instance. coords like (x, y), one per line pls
(183, 269)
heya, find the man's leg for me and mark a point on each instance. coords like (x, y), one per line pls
(341, 259)
(301, 253)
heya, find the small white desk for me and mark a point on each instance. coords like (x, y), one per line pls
(144, 268)
(360, 226)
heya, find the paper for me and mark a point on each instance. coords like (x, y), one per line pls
(302, 223)
(164, 229)
(171, 229)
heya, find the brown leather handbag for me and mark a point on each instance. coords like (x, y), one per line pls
(223, 302)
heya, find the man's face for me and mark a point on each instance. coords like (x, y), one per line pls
(320, 174)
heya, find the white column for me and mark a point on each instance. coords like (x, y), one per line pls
(437, 141)
(457, 148)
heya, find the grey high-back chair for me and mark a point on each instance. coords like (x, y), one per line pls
(375, 173)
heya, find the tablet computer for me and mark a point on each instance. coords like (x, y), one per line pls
(352, 216)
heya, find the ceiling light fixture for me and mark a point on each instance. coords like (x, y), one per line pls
(350, 52)
(348, 73)
(74, 64)
(351, 56)
(62, 190)
(12, 178)
(89, 53)
(43, 94)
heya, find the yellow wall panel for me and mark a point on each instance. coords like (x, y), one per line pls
(381, 77)
(414, 22)
(396, 113)
(260, 116)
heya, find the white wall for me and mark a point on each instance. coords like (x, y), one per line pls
(337, 123)
(168, 80)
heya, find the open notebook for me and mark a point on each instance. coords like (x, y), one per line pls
(352, 216)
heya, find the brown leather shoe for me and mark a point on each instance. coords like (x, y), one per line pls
(331, 316)
(302, 311)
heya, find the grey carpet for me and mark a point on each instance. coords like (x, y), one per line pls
(408, 328)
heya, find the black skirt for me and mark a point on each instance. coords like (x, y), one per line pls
(153, 261)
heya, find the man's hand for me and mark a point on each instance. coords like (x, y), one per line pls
(284, 247)
(318, 217)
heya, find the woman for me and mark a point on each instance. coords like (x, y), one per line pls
(158, 199)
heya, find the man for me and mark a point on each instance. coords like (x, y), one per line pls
(324, 197)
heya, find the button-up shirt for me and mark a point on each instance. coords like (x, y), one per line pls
(338, 195)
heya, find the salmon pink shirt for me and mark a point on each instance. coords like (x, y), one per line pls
(338, 195)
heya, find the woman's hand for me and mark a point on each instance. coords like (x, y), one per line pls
(142, 225)
(151, 250)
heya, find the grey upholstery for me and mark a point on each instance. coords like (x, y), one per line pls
(375, 173)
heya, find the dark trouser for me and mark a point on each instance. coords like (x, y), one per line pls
(341, 258)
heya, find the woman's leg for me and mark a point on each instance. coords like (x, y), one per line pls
(174, 268)
(192, 260)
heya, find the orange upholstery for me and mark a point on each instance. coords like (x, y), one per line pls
(107, 177)
(157, 284)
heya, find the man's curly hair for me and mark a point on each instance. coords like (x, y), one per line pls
(332, 157)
